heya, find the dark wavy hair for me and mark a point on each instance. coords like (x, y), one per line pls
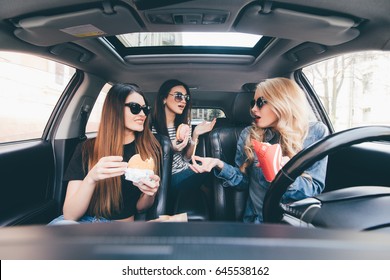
(159, 119)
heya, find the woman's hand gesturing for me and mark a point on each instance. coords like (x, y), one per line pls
(204, 127)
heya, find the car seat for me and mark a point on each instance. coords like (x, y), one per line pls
(229, 203)
(160, 203)
(198, 203)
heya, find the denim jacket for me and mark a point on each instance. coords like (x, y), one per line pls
(254, 179)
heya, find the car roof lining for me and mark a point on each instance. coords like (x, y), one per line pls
(48, 30)
(327, 30)
(280, 58)
(108, 20)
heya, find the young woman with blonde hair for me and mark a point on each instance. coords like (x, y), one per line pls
(97, 191)
(281, 114)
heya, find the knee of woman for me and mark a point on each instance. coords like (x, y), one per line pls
(61, 221)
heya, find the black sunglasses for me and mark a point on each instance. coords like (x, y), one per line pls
(180, 97)
(135, 108)
(259, 102)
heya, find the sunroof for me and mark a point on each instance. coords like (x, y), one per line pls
(189, 39)
(149, 43)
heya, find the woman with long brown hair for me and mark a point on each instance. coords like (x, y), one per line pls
(97, 191)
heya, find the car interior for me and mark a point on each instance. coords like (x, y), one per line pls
(93, 38)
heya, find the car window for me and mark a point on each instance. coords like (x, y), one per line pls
(205, 114)
(94, 117)
(350, 86)
(197, 114)
(30, 88)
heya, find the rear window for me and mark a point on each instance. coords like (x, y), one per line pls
(199, 115)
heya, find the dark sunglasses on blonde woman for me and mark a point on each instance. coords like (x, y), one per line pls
(259, 102)
(135, 108)
(180, 97)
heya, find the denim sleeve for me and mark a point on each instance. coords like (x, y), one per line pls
(314, 184)
(232, 175)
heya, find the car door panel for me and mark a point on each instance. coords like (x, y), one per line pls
(27, 170)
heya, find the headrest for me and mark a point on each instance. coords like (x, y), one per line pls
(223, 122)
(241, 108)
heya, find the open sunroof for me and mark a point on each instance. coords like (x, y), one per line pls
(188, 42)
(201, 39)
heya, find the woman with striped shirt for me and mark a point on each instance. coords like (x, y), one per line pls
(172, 107)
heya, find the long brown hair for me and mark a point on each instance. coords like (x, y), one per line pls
(107, 197)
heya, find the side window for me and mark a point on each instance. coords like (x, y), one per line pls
(30, 88)
(354, 88)
(94, 117)
(197, 114)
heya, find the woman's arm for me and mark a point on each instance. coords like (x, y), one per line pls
(231, 175)
(200, 129)
(79, 193)
(78, 196)
(149, 188)
(312, 182)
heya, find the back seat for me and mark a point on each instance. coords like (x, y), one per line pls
(215, 202)
(160, 206)
(199, 203)
(229, 203)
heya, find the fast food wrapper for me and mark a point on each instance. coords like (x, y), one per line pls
(135, 174)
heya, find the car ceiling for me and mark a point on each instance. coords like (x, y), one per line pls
(364, 25)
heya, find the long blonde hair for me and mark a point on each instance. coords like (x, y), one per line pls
(107, 196)
(289, 103)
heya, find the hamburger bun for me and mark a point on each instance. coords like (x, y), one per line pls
(182, 132)
(137, 162)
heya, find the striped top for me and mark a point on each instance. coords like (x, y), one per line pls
(179, 162)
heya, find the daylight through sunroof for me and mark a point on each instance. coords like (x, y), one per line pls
(201, 39)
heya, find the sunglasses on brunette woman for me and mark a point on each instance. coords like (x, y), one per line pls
(259, 102)
(180, 97)
(135, 108)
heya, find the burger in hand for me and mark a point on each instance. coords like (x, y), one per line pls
(138, 169)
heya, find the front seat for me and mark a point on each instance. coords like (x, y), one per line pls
(229, 203)
(160, 203)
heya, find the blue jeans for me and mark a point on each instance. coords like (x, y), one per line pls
(187, 179)
(83, 220)
(184, 183)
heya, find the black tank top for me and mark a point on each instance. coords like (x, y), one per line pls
(130, 193)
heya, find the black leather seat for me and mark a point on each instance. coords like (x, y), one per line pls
(198, 203)
(229, 203)
(160, 204)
